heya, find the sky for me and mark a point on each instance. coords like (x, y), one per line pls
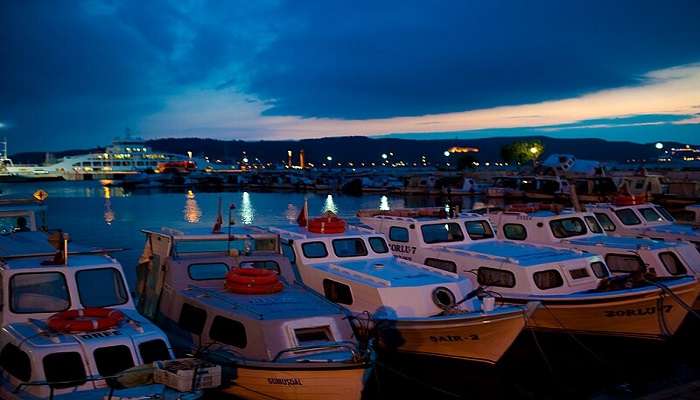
(76, 74)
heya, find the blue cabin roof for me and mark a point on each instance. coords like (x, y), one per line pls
(525, 255)
(626, 243)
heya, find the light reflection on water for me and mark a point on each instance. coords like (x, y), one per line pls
(113, 217)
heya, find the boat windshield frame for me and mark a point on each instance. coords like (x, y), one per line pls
(566, 233)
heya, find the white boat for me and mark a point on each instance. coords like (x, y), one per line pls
(572, 286)
(634, 216)
(231, 298)
(10, 172)
(415, 309)
(70, 329)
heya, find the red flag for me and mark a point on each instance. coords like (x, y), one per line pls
(303, 217)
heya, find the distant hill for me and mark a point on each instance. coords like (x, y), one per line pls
(365, 149)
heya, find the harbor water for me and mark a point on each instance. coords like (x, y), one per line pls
(537, 366)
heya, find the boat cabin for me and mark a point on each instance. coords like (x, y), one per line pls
(183, 284)
(40, 361)
(22, 215)
(582, 231)
(468, 245)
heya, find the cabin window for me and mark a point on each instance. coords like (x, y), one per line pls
(605, 222)
(154, 350)
(548, 279)
(192, 319)
(442, 233)
(113, 360)
(337, 292)
(313, 336)
(628, 216)
(600, 270)
(378, 245)
(624, 263)
(495, 277)
(110, 291)
(229, 332)
(314, 250)
(16, 362)
(673, 264)
(593, 224)
(514, 231)
(665, 214)
(478, 230)
(349, 247)
(288, 251)
(398, 234)
(650, 215)
(86, 164)
(444, 265)
(567, 227)
(262, 264)
(207, 271)
(66, 367)
(579, 273)
(39, 292)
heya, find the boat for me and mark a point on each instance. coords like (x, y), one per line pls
(11, 172)
(232, 299)
(505, 186)
(630, 215)
(70, 329)
(413, 309)
(574, 288)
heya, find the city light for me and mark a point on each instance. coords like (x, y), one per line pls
(384, 156)
(533, 150)
(659, 145)
(446, 153)
(329, 158)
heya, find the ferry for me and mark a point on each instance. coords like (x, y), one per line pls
(10, 172)
(413, 309)
(574, 288)
(630, 215)
(70, 329)
(231, 298)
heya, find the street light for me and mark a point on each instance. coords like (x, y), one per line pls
(384, 156)
(446, 153)
(658, 145)
(329, 158)
(533, 150)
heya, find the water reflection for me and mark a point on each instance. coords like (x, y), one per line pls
(247, 211)
(109, 215)
(292, 213)
(384, 203)
(329, 205)
(192, 212)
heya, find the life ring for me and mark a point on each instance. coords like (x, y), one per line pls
(253, 281)
(327, 224)
(85, 320)
(251, 276)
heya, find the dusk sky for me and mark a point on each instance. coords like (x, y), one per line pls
(76, 74)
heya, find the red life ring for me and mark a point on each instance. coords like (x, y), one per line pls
(85, 320)
(327, 224)
(253, 281)
(251, 276)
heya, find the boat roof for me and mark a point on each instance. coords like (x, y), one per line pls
(672, 228)
(292, 302)
(34, 243)
(626, 243)
(300, 232)
(75, 261)
(205, 233)
(523, 254)
(386, 271)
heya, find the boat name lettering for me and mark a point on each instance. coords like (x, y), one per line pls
(452, 338)
(637, 312)
(403, 248)
(284, 381)
(100, 335)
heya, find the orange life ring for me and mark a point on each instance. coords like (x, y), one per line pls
(251, 276)
(327, 224)
(85, 320)
(253, 281)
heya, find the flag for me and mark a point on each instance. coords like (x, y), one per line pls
(219, 220)
(303, 218)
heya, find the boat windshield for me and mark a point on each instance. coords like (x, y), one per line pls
(664, 212)
(593, 224)
(650, 215)
(223, 245)
(478, 230)
(15, 223)
(442, 233)
(354, 247)
(39, 292)
(628, 216)
(567, 227)
(101, 287)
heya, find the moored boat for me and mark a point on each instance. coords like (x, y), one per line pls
(231, 298)
(414, 309)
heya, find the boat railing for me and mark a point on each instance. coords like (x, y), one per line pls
(347, 345)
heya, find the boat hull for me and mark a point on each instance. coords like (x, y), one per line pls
(484, 339)
(651, 315)
(317, 383)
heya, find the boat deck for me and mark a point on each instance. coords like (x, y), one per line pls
(523, 254)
